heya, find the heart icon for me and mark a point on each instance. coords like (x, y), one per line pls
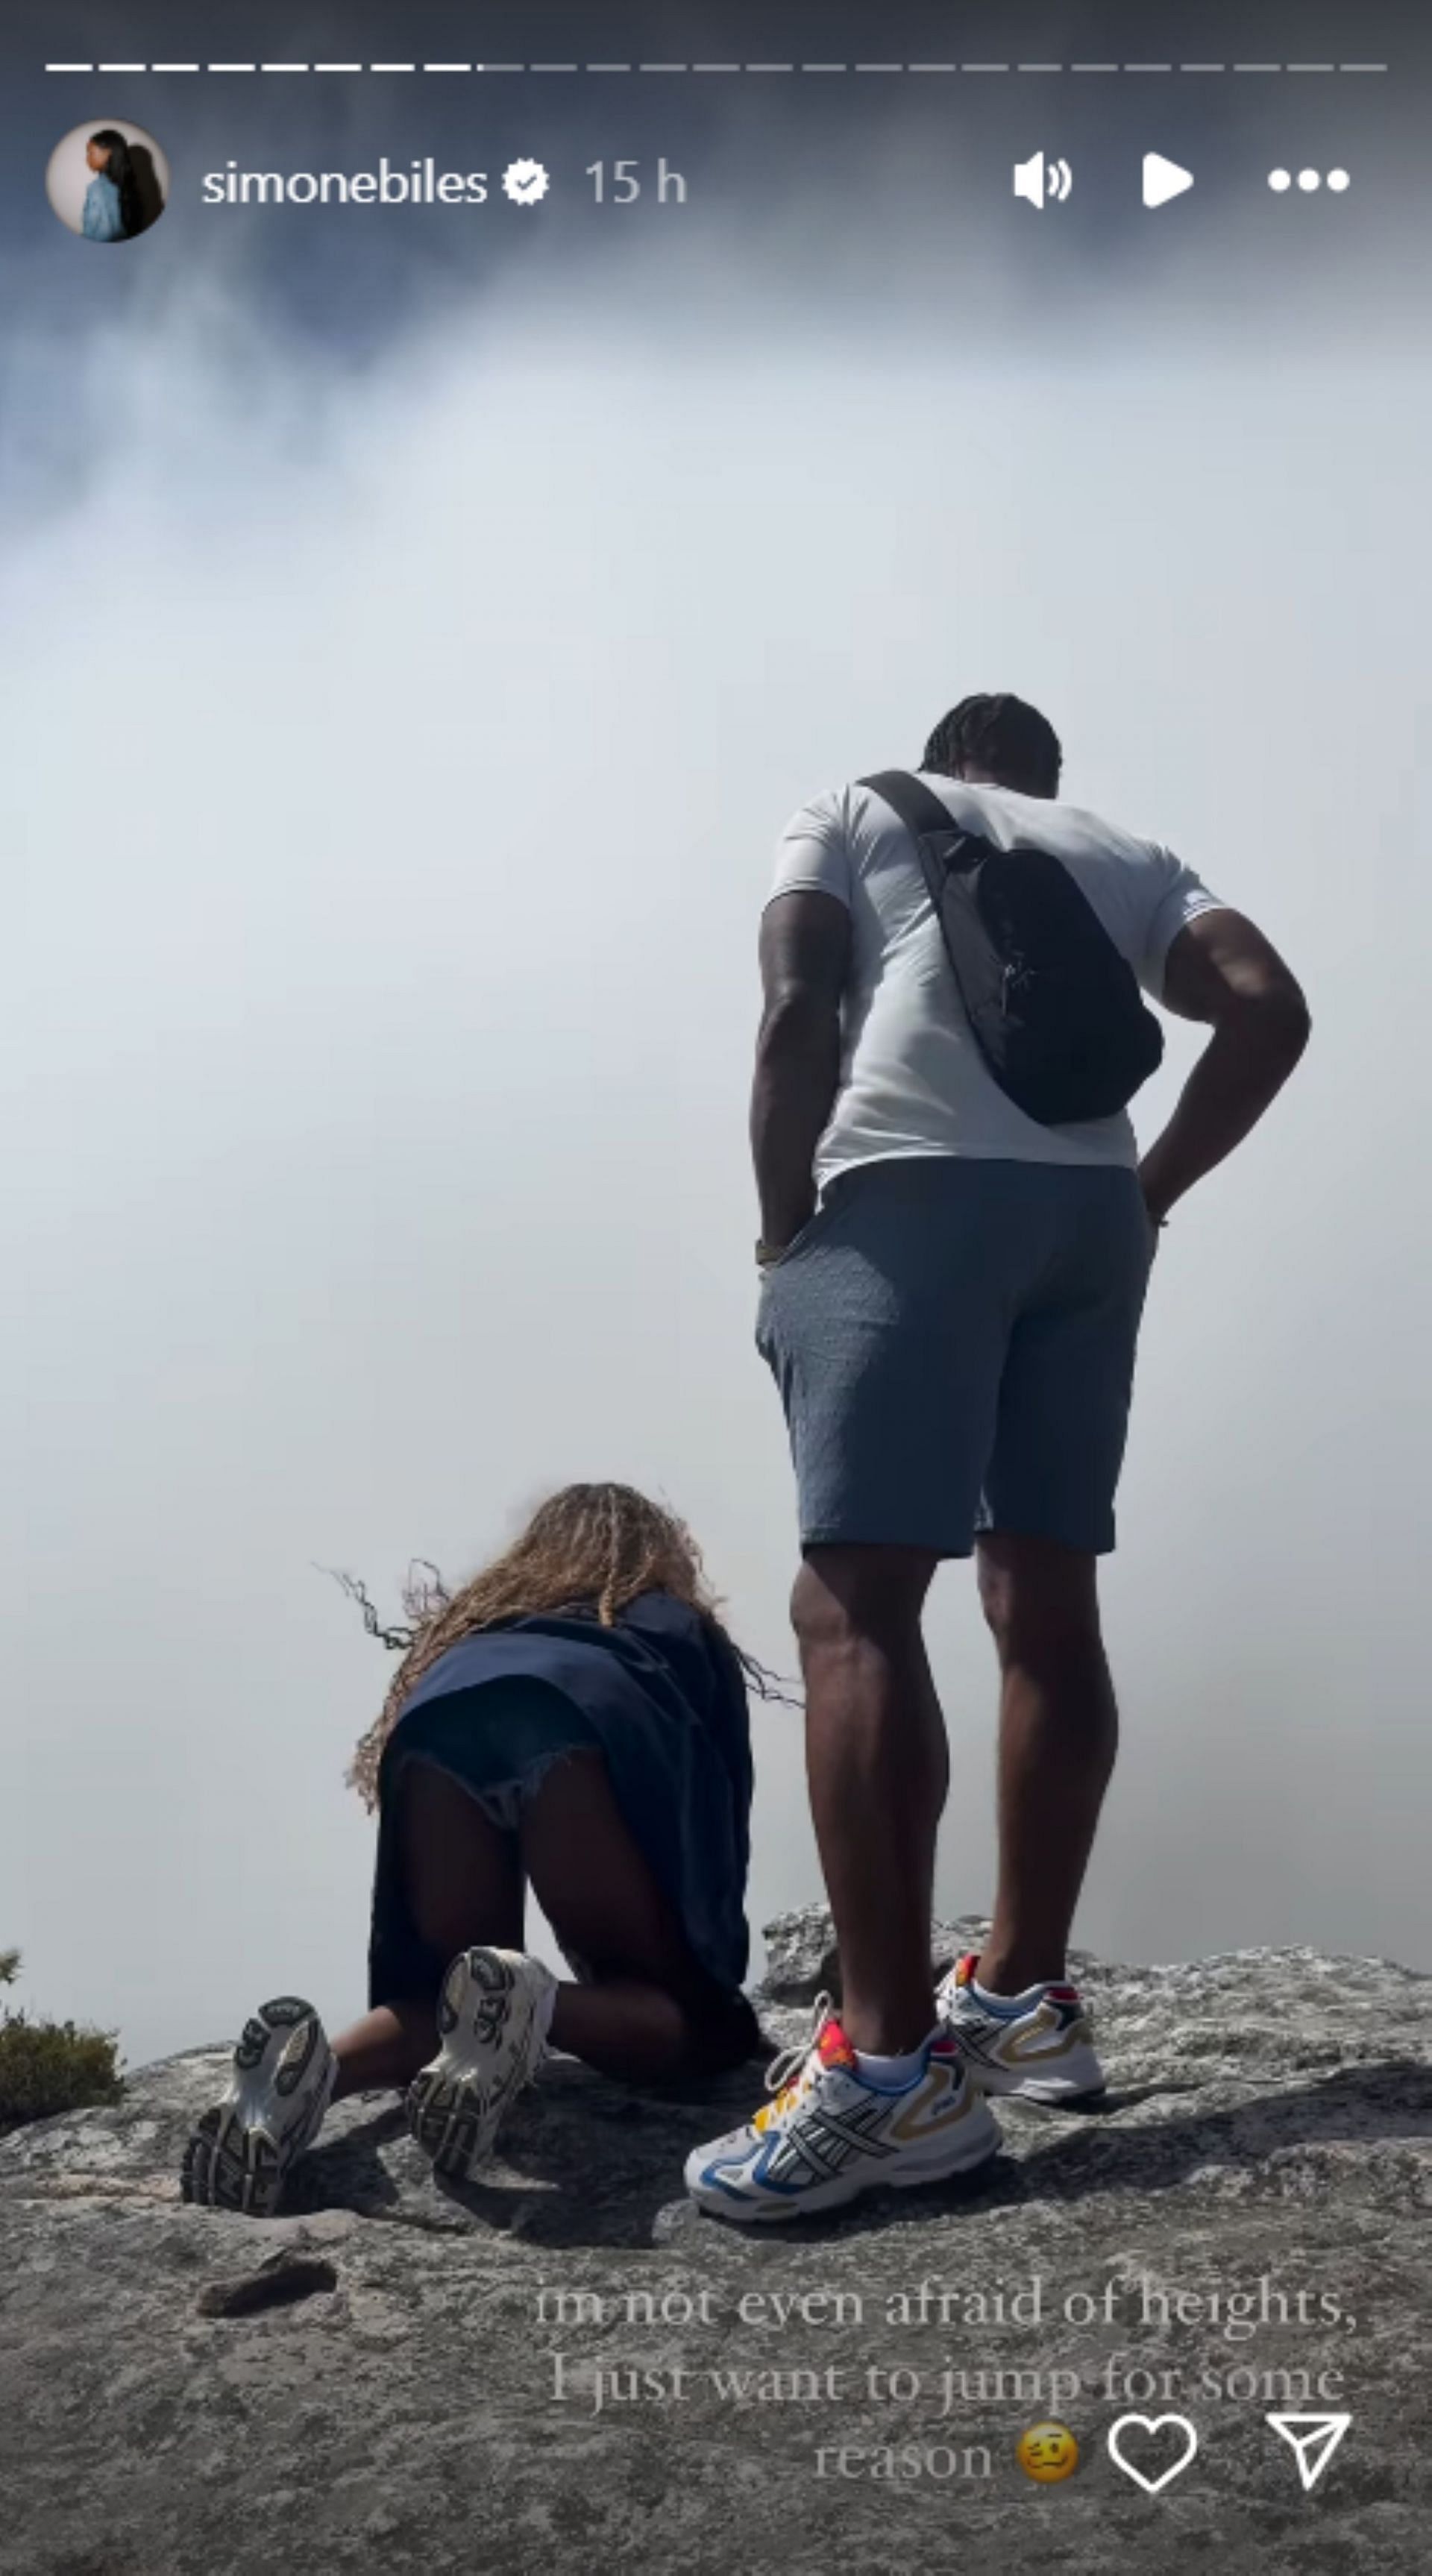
(1153, 2425)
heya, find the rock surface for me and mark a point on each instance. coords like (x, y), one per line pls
(1268, 2136)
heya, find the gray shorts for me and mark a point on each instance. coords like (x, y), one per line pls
(954, 1342)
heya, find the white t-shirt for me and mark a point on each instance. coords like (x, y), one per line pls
(912, 1079)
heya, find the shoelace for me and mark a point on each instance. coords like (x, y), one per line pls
(788, 2070)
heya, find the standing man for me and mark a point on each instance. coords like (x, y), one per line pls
(950, 1303)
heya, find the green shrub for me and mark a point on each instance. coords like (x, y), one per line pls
(48, 2066)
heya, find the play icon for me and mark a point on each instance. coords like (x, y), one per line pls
(1312, 2440)
(1163, 179)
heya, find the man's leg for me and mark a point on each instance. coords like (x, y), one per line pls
(878, 1766)
(1058, 1736)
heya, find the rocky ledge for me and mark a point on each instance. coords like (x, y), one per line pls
(566, 2367)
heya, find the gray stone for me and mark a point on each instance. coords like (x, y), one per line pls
(1266, 2141)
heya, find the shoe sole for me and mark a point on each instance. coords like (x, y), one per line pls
(1029, 2088)
(240, 2150)
(455, 2106)
(839, 2193)
(1092, 2098)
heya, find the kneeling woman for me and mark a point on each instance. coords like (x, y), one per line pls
(574, 1721)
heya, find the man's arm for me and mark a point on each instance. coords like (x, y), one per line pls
(805, 954)
(1222, 970)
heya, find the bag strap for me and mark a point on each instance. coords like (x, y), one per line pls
(919, 808)
(928, 820)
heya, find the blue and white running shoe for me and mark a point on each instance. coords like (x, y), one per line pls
(829, 2134)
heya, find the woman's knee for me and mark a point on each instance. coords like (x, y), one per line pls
(724, 2034)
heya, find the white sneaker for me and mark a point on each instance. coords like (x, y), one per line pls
(493, 2016)
(830, 2134)
(1037, 2046)
(240, 2150)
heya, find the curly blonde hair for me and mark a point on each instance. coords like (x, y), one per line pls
(589, 1546)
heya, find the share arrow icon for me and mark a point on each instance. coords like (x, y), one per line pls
(1312, 2439)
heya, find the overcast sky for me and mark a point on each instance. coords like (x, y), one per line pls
(395, 752)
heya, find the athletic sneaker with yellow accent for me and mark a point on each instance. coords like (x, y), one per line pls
(494, 2013)
(829, 2133)
(1037, 2046)
(241, 2148)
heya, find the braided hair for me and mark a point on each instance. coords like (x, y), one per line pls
(1001, 734)
(588, 1547)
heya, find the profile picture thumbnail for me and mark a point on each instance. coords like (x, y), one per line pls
(107, 181)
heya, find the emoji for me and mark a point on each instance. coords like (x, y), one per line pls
(1047, 2453)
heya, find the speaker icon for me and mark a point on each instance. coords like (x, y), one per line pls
(1036, 179)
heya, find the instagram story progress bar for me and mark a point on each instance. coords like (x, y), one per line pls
(196, 66)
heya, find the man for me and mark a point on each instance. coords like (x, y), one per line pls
(950, 1303)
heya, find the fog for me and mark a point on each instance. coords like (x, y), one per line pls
(392, 773)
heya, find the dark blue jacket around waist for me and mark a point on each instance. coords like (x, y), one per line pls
(664, 1692)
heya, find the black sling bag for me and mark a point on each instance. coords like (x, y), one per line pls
(1054, 1008)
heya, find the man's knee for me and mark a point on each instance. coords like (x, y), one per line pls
(1040, 1600)
(848, 1598)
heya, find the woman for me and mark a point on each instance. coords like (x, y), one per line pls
(573, 1720)
(112, 209)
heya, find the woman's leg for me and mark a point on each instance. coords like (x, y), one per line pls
(383, 2052)
(650, 2010)
(463, 1884)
